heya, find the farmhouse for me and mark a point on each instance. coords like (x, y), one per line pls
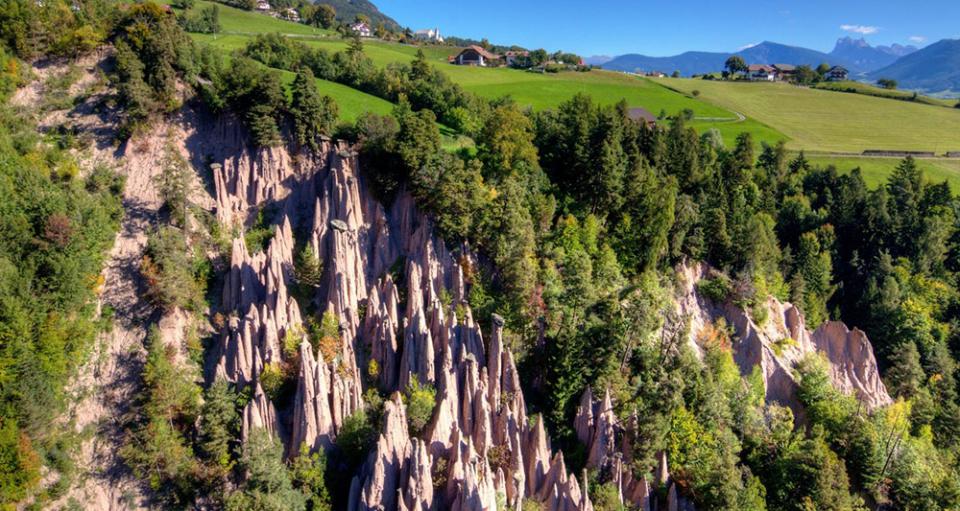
(837, 74)
(361, 29)
(430, 34)
(761, 73)
(476, 56)
(290, 14)
(511, 57)
(784, 71)
(642, 115)
(263, 5)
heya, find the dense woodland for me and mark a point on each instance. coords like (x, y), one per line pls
(580, 215)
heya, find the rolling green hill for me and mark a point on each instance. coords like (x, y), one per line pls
(531, 89)
(821, 120)
(871, 90)
(347, 10)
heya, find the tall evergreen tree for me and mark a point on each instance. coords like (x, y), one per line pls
(312, 113)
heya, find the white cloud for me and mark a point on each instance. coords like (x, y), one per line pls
(744, 47)
(917, 39)
(860, 29)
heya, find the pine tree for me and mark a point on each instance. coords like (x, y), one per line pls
(307, 269)
(312, 113)
(905, 376)
(219, 424)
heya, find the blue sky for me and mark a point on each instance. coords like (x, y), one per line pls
(663, 27)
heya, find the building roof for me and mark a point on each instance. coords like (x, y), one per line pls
(642, 114)
(512, 53)
(483, 53)
(753, 68)
(839, 69)
(785, 67)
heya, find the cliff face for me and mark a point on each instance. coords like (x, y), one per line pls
(392, 332)
(782, 340)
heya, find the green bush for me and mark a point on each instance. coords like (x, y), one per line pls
(156, 449)
(309, 476)
(174, 271)
(204, 21)
(420, 401)
(718, 289)
(272, 380)
(355, 438)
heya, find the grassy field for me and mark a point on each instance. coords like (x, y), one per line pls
(876, 170)
(829, 121)
(870, 90)
(239, 21)
(351, 102)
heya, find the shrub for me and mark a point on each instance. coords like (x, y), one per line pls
(19, 464)
(355, 438)
(717, 289)
(272, 380)
(782, 344)
(172, 271)
(308, 472)
(325, 336)
(420, 400)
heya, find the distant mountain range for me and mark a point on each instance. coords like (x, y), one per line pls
(597, 60)
(347, 10)
(859, 56)
(934, 69)
(855, 54)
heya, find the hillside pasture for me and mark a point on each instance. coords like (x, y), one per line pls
(876, 170)
(828, 121)
(871, 90)
(534, 90)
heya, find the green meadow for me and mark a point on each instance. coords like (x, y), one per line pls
(829, 121)
(876, 170)
(871, 90)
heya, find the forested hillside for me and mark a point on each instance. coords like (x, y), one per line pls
(335, 315)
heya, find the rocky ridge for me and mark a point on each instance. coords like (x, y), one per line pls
(395, 326)
(776, 345)
(782, 340)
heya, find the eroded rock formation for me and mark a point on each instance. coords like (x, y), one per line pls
(608, 442)
(399, 296)
(398, 293)
(780, 341)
